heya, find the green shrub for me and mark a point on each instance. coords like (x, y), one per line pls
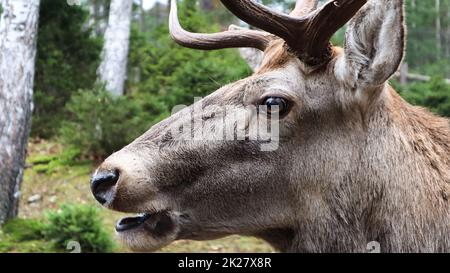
(24, 229)
(99, 124)
(8, 244)
(42, 159)
(79, 223)
(24, 236)
(51, 163)
(434, 95)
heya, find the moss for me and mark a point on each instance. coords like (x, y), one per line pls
(52, 163)
(42, 159)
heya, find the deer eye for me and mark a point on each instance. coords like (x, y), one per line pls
(276, 105)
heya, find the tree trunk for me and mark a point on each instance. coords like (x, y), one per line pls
(18, 33)
(447, 51)
(413, 7)
(157, 8)
(96, 17)
(113, 68)
(142, 16)
(438, 28)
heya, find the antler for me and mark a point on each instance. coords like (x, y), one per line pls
(306, 32)
(307, 36)
(233, 38)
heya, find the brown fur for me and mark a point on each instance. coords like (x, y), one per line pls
(275, 57)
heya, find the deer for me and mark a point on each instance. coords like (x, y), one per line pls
(354, 163)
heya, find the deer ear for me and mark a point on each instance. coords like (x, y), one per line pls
(374, 45)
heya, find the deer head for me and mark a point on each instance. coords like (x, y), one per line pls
(338, 122)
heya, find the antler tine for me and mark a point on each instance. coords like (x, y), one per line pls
(307, 36)
(303, 7)
(324, 23)
(262, 17)
(228, 39)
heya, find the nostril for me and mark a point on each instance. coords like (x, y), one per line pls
(102, 184)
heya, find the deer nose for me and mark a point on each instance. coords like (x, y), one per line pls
(102, 185)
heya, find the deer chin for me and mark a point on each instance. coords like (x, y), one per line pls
(148, 232)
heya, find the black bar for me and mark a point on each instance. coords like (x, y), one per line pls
(274, 262)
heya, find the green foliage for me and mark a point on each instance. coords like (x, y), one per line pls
(50, 163)
(98, 124)
(425, 54)
(67, 59)
(42, 159)
(24, 229)
(79, 223)
(174, 75)
(435, 95)
(9, 245)
(24, 236)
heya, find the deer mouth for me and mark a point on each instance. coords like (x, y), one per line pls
(148, 231)
(129, 223)
(158, 223)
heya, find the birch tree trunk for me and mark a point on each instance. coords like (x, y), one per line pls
(438, 28)
(142, 16)
(18, 34)
(95, 17)
(447, 52)
(113, 67)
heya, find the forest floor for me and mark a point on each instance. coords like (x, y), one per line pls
(45, 190)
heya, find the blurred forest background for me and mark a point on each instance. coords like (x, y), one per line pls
(77, 122)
